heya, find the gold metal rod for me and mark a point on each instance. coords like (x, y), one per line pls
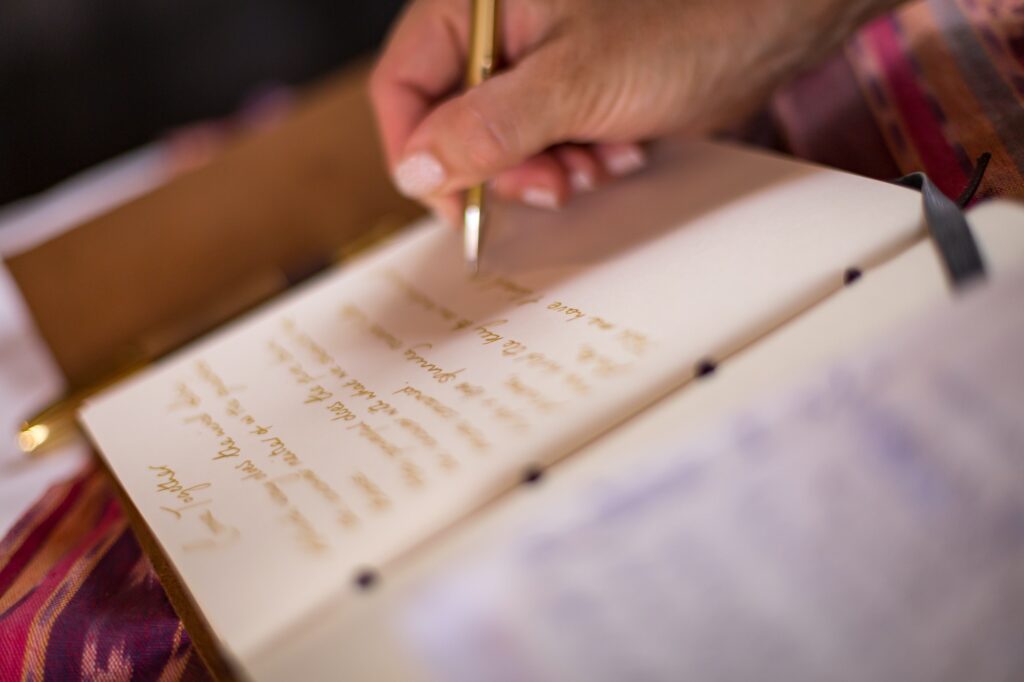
(483, 58)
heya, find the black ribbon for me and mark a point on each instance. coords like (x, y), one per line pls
(948, 225)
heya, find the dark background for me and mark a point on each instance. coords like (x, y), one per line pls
(84, 80)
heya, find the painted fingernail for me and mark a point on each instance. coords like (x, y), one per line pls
(419, 175)
(541, 197)
(582, 181)
(625, 161)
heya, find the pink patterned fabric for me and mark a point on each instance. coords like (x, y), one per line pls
(79, 599)
(929, 88)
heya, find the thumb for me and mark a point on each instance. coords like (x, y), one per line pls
(475, 136)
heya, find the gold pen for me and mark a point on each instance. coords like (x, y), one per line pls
(483, 55)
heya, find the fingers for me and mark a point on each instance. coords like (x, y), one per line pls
(438, 144)
(541, 181)
(582, 167)
(475, 136)
(551, 179)
(422, 63)
(621, 159)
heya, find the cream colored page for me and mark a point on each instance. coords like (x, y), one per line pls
(337, 429)
(909, 286)
(866, 526)
(359, 643)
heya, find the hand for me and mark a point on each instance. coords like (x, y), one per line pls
(584, 82)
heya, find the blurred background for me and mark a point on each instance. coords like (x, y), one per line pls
(84, 80)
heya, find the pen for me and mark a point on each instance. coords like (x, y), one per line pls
(483, 50)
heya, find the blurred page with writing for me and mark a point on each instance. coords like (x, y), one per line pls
(336, 429)
(866, 526)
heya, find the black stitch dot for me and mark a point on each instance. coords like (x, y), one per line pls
(366, 579)
(533, 475)
(851, 276)
(706, 368)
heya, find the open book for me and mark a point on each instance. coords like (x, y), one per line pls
(299, 455)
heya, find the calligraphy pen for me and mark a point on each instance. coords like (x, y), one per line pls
(483, 54)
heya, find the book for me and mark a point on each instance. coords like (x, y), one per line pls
(863, 525)
(293, 462)
(383, 633)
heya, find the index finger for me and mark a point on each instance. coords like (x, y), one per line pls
(422, 63)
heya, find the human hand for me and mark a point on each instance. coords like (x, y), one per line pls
(584, 82)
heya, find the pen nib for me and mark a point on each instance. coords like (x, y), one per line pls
(471, 238)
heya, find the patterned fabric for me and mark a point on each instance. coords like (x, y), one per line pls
(79, 600)
(929, 88)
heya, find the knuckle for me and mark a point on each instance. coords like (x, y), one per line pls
(581, 98)
(489, 139)
(567, 84)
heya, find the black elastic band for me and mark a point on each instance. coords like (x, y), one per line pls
(949, 228)
(975, 182)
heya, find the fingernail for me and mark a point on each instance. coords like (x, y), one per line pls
(541, 197)
(582, 181)
(419, 175)
(625, 161)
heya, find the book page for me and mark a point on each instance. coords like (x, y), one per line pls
(331, 432)
(867, 526)
(885, 298)
(369, 641)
